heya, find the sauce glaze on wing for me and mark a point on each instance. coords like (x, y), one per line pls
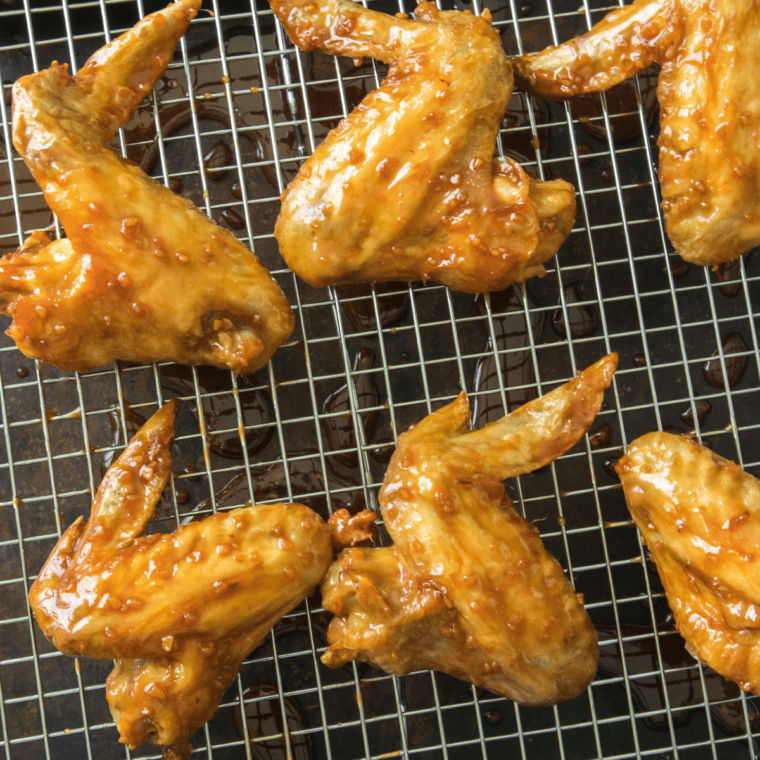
(709, 93)
(179, 612)
(406, 187)
(467, 586)
(142, 275)
(699, 515)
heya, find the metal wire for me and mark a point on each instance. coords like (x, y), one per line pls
(238, 80)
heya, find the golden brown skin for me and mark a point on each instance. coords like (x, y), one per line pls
(180, 611)
(709, 93)
(406, 187)
(467, 587)
(699, 514)
(143, 275)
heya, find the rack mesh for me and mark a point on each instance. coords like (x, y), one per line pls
(318, 423)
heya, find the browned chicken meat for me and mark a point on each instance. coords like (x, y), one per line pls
(179, 612)
(406, 187)
(709, 93)
(143, 275)
(467, 586)
(699, 514)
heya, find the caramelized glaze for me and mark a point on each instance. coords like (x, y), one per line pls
(467, 587)
(179, 612)
(349, 530)
(699, 514)
(406, 188)
(709, 109)
(142, 275)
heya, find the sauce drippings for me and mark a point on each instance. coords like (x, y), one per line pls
(703, 407)
(360, 310)
(682, 680)
(581, 317)
(512, 333)
(520, 143)
(339, 428)
(220, 408)
(600, 436)
(622, 107)
(119, 436)
(264, 718)
(610, 463)
(678, 267)
(307, 481)
(732, 344)
(729, 275)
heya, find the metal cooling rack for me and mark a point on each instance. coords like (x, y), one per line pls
(269, 105)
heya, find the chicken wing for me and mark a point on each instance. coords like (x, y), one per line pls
(467, 586)
(699, 514)
(143, 275)
(709, 95)
(181, 611)
(406, 187)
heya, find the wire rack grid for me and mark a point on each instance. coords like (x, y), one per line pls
(319, 423)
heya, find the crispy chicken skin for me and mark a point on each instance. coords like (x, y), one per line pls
(467, 586)
(699, 514)
(709, 109)
(179, 612)
(406, 187)
(143, 275)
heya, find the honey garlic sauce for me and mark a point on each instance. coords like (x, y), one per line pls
(157, 586)
(405, 187)
(703, 508)
(467, 586)
(637, 33)
(708, 157)
(178, 612)
(709, 117)
(349, 530)
(459, 529)
(100, 294)
(117, 594)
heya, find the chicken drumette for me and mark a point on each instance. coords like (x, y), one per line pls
(181, 611)
(406, 187)
(467, 586)
(699, 514)
(709, 98)
(143, 274)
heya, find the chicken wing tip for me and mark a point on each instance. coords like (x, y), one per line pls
(164, 418)
(599, 375)
(154, 438)
(607, 363)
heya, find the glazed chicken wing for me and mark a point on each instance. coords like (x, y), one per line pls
(143, 275)
(406, 187)
(467, 586)
(699, 514)
(709, 93)
(181, 611)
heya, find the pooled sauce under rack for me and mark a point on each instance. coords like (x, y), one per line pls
(318, 424)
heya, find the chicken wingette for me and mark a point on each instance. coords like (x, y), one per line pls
(142, 275)
(406, 187)
(179, 612)
(467, 586)
(699, 515)
(709, 94)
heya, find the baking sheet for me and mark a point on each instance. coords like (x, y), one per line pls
(318, 424)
